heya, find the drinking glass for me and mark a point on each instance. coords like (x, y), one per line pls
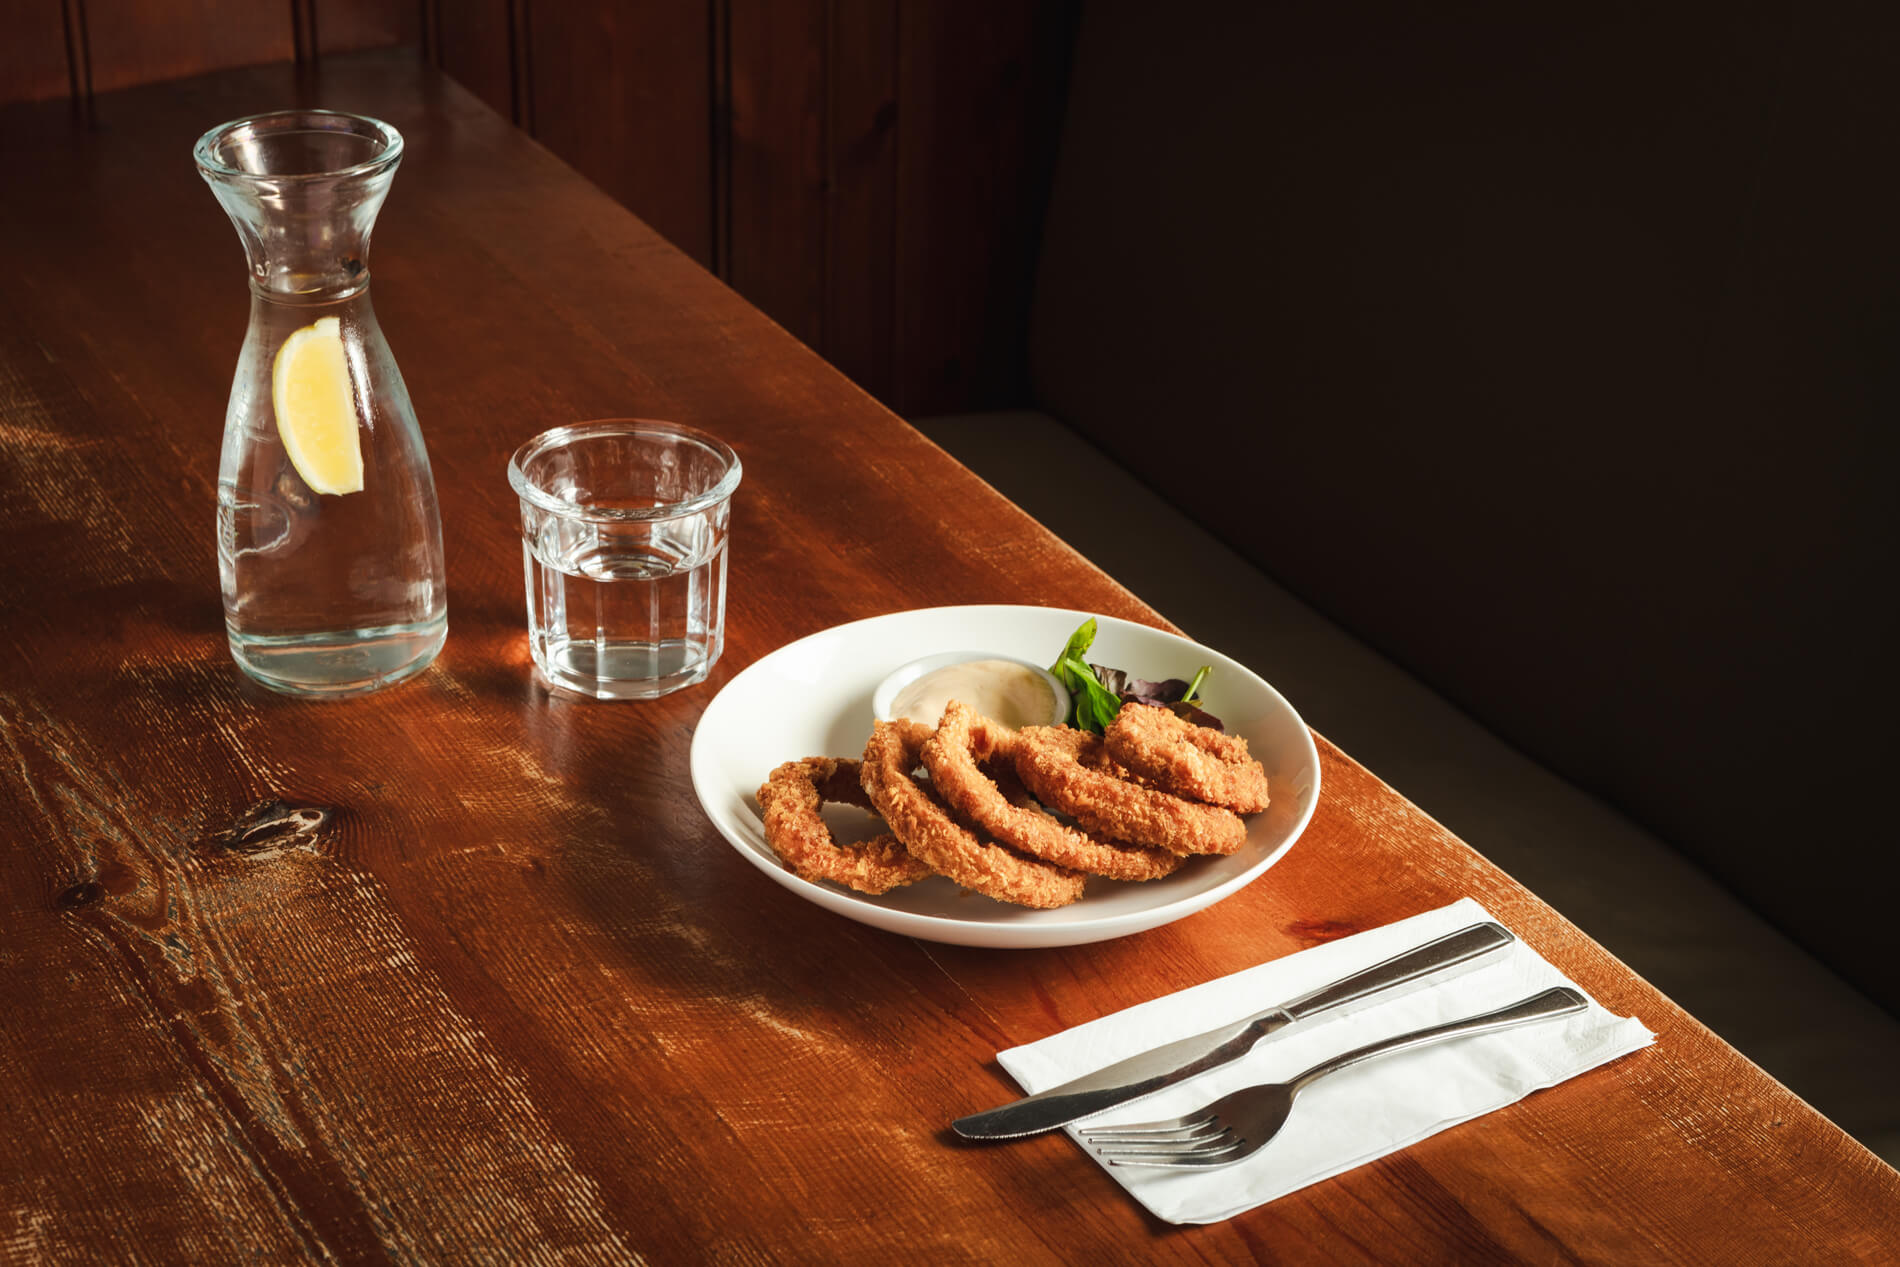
(623, 547)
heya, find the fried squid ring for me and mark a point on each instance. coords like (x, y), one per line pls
(1188, 760)
(963, 739)
(1056, 762)
(928, 831)
(791, 799)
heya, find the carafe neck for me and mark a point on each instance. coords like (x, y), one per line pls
(303, 188)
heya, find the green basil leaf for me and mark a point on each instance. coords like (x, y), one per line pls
(1095, 704)
(1073, 672)
(1079, 643)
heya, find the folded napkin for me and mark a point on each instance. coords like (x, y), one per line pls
(1359, 1114)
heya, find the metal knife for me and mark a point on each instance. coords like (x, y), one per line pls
(1178, 1061)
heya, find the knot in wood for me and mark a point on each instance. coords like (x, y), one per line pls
(1315, 931)
(85, 893)
(270, 826)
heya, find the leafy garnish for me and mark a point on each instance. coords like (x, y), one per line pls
(1188, 707)
(1098, 692)
(1093, 706)
(1136, 690)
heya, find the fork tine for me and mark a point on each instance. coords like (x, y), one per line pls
(1164, 1161)
(1215, 1153)
(1205, 1145)
(1205, 1129)
(1192, 1121)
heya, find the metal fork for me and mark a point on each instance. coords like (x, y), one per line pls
(1241, 1123)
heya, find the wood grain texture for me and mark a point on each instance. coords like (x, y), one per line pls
(622, 90)
(830, 158)
(138, 42)
(981, 86)
(861, 127)
(476, 41)
(344, 26)
(460, 972)
(72, 48)
(827, 158)
(778, 85)
(35, 57)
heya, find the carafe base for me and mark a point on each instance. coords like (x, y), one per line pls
(336, 663)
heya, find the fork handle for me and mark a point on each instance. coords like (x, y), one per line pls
(1561, 1001)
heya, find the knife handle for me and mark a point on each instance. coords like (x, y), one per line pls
(1459, 949)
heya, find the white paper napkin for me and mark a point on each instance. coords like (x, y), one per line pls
(1358, 1114)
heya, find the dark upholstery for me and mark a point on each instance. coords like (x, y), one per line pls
(1551, 352)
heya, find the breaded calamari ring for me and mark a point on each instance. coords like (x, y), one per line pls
(927, 830)
(1056, 762)
(1188, 760)
(790, 800)
(965, 738)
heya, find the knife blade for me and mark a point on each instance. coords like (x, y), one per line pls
(1174, 1062)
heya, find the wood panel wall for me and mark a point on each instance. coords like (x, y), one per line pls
(75, 48)
(871, 173)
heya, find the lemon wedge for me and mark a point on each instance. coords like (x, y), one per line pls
(316, 411)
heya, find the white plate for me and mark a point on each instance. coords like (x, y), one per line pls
(813, 698)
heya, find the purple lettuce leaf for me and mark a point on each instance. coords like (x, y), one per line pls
(1168, 693)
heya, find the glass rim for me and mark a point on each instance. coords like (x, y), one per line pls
(601, 427)
(205, 151)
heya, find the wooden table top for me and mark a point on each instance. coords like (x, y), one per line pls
(518, 1000)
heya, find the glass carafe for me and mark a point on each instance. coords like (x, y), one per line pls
(329, 538)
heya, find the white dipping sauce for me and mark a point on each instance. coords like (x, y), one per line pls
(1001, 690)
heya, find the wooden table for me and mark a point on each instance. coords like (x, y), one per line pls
(517, 1000)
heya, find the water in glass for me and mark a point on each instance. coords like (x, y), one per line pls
(624, 529)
